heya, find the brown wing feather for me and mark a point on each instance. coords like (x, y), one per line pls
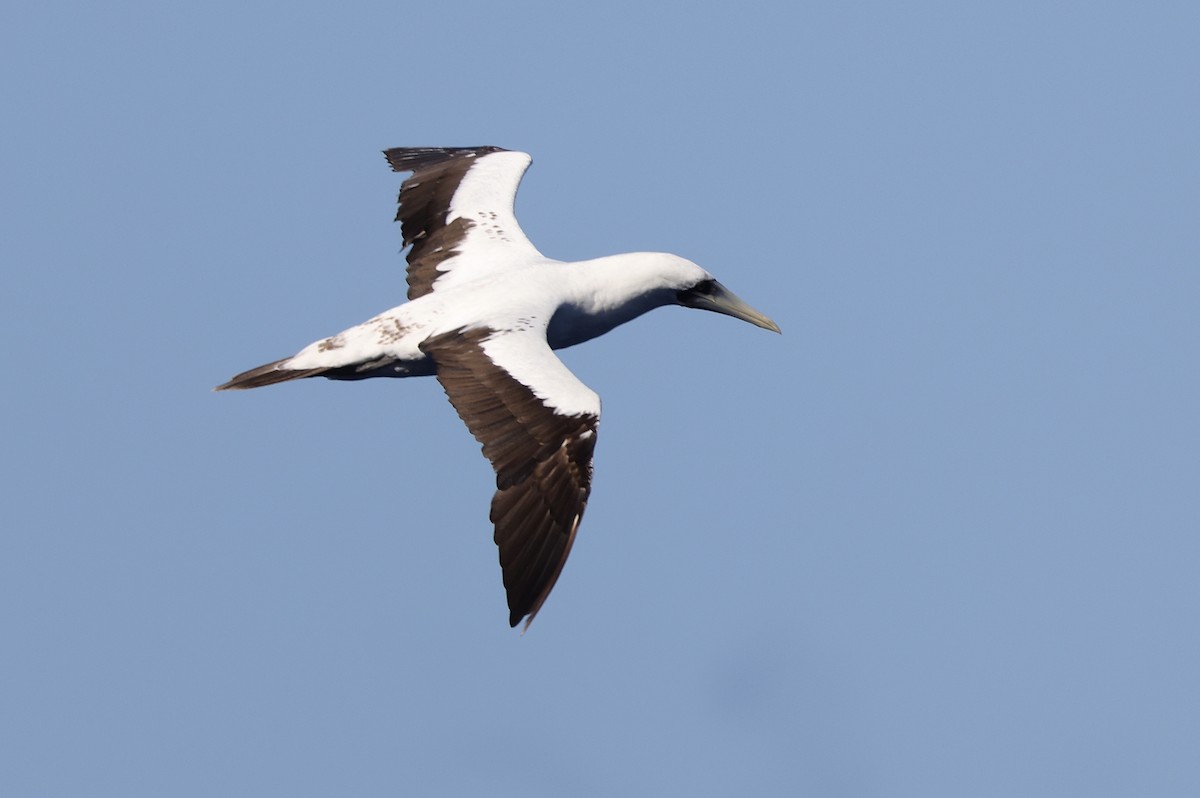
(424, 203)
(543, 463)
(269, 374)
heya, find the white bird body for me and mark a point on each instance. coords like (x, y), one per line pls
(570, 303)
(486, 310)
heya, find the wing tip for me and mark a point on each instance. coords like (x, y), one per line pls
(514, 620)
(409, 159)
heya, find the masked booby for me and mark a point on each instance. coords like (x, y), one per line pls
(486, 310)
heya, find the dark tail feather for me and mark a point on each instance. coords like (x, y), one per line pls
(269, 374)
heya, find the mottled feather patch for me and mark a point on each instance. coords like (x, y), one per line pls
(490, 225)
(389, 329)
(331, 343)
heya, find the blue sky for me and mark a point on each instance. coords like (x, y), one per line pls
(940, 538)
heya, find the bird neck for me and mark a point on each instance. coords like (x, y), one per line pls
(605, 294)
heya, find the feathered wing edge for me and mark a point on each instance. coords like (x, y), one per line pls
(542, 459)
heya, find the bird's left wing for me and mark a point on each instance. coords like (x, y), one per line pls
(456, 212)
(537, 423)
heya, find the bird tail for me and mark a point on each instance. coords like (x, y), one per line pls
(269, 374)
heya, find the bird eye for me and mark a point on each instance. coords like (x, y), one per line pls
(700, 290)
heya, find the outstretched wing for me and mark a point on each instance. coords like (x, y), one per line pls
(456, 212)
(537, 423)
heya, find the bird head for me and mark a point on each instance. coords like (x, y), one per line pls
(708, 294)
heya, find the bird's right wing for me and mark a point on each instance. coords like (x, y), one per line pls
(456, 212)
(537, 423)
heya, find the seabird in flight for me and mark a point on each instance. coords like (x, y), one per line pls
(485, 312)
